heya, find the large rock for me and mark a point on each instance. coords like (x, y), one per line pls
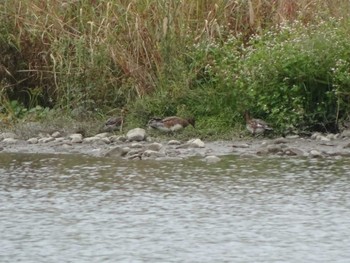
(136, 134)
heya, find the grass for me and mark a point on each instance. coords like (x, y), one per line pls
(285, 61)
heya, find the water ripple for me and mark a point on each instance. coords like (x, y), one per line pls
(60, 208)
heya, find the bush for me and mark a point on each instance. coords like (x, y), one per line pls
(285, 61)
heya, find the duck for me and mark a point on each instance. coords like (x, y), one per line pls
(256, 126)
(170, 124)
(115, 123)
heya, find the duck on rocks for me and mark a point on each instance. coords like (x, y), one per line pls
(115, 123)
(256, 126)
(170, 124)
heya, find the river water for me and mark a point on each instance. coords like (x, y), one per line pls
(74, 208)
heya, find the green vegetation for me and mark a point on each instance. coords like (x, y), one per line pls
(286, 61)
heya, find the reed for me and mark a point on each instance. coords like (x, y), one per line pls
(105, 54)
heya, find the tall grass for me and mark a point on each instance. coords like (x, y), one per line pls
(157, 57)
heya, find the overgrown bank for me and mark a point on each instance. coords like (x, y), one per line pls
(285, 61)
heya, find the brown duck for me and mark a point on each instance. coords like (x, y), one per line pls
(115, 123)
(170, 124)
(255, 126)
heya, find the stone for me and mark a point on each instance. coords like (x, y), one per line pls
(6, 135)
(280, 140)
(212, 159)
(169, 158)
(315, 135)
(92, 139)
(343, 153)
(46, 139)
(154, 146)
(332, 136)
(115, 138)
(135, 152)
(33, 140)
(117, 151)
(240, 145)
(135, 157)
(136, 134)
(345, 134)
(9, 140)
(102, 135)
(136, 145)
(262, 151)
(105, 140)
(152, 154)
(274, 149)
(315, 154)
(292, 137)
(323, 138)
(196, 143)
(174, 142)
(56, 134)
(76, 138)
(150, 139)
(75, 135)
(293, 152)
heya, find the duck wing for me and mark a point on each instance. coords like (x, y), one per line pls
(171, 118)
(261, 124)
(117, 121)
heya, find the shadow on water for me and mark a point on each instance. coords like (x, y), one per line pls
(84, 209)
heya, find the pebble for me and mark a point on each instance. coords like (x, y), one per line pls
(9, 141)
(33, 140)
(174, 142)
(212, 159)
(91, 139)
(154, 146)
(56, 134)
(46, 140)
(315, 154)
(6, 135)
(196, 143)
(76, 138)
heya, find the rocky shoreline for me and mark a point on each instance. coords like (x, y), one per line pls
(137, 145)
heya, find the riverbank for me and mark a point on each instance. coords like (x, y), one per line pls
(137, 144)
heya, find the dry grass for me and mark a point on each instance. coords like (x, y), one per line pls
(110, 52)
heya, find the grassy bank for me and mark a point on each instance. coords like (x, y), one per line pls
(285, 61)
